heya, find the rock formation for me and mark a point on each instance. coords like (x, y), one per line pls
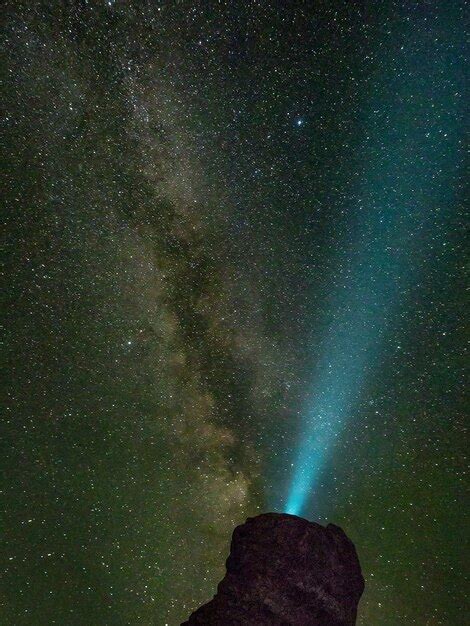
(286, 571)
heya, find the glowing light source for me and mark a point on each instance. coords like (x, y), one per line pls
(406, 187)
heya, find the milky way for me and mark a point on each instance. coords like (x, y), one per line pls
(225, 222)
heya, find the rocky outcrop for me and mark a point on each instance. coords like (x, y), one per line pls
(286, 571)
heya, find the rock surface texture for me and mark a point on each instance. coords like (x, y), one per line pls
(286, 571)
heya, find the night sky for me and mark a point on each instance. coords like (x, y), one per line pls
(234, 283)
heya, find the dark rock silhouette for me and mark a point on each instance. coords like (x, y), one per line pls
(286, 571)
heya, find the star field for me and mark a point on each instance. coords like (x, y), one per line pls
(234, 237)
